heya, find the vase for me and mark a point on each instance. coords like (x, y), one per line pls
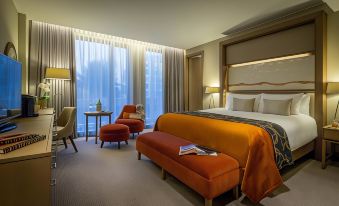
(43, 103)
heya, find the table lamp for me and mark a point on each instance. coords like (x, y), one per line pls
(57, 73)
(211, 90)
(333, 88)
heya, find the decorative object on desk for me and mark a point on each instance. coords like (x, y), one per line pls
(211, 91)
(333, 88)
(60, 74)
(10, 51)
(98, 106)
(19, 141)
(335, 123)
(29, 106)
(44, 94)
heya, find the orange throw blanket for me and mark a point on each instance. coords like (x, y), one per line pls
(250, 145)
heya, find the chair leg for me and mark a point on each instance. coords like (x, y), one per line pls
(163, 174)
(208, 202)
(65, 142)
(72, 141)
(118, 145)
(236, 192)
(133, 135)
(102, 144)
(139, 156)
(126, 142)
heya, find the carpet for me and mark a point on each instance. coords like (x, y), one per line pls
(108, 176)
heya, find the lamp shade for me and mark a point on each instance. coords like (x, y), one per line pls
(332, 88)
(211, 90)
(58, 73)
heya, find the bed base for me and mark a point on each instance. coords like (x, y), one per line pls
(302, 151)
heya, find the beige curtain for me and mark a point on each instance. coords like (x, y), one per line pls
(52, 46)
(174, 80)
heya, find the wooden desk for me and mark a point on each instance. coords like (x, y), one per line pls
(96, 115)
(26, 172)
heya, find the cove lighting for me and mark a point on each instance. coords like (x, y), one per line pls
(272, 59)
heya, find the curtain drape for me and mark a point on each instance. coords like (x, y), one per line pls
(52, 46)
(174, 80)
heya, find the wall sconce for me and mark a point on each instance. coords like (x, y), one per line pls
(211, 90)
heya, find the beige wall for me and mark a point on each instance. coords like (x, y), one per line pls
(8, 24)
(23, 49)
(211, 61)
(14, 28)
(332, 60)
(211, 68)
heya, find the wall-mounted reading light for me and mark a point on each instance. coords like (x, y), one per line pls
(272, 59)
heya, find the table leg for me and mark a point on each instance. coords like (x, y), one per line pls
(86, 128)
(109, 119)
(96, 129)
(100, 122)
(323, 156)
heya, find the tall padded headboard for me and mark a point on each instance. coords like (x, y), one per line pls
(254, 62)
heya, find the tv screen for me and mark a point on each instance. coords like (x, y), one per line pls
(10, 88)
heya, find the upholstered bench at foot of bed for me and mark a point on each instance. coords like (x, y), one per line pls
(210, 176)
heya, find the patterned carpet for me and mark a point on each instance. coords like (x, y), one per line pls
(112, 177)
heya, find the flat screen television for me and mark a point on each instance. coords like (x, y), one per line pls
(10, 91)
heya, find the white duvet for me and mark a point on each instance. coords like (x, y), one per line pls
(300, 129)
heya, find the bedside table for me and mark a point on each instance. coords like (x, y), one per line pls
(331, 135)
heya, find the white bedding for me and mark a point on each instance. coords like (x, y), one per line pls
(300, 129)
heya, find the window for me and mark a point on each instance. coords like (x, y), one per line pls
(102, 73)
(153, 87)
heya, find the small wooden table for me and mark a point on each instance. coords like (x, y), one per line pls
(96, 115)
(331, 135)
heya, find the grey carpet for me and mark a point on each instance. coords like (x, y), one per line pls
(108, 176)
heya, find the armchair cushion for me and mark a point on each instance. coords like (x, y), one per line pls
(135, 125)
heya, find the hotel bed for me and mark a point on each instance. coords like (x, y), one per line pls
(301, 129)
(263, 143)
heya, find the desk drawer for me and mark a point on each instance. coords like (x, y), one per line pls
(331, 134)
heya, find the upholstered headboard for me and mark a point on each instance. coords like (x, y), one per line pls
(287, 56)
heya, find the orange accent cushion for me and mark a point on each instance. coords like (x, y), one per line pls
(125, 115)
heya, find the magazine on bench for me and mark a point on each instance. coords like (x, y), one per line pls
(196, 149)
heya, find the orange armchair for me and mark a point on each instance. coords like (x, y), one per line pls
(134, 125)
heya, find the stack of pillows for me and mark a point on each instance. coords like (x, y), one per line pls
(279, 104)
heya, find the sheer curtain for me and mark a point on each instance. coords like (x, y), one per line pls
(103, 72)
(154, 86)
(121, 71)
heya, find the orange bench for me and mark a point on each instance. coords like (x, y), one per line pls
(210, 176)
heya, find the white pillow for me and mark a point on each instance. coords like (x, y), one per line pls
(296, 101)
(230, 96)
(305, 104)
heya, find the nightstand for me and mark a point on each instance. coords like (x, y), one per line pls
(331, 135)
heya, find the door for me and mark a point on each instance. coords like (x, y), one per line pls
(195, 82)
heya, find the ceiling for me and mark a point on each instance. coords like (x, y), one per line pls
(176, 23)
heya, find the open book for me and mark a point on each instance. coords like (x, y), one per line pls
(196, 149)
